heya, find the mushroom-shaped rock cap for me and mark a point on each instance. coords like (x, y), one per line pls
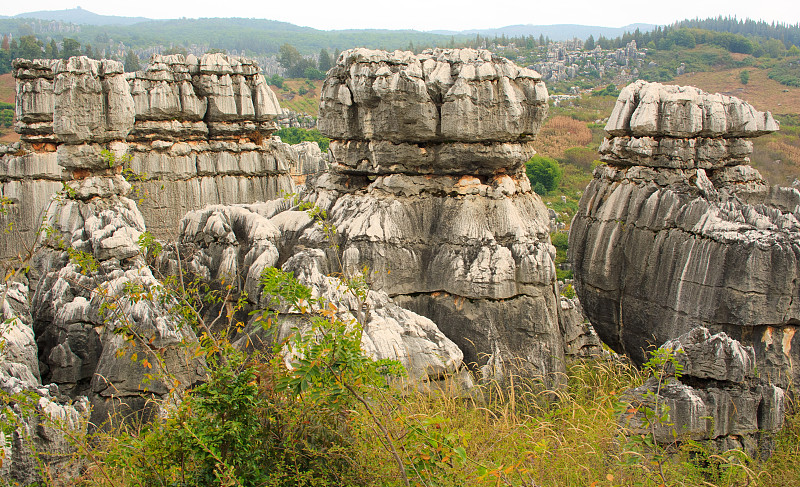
(441, 95)
(655, 110)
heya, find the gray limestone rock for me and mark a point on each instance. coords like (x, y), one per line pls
(441, 95)
(579, 336)
(717, 398)
(41, 448)
(92, 101)
(18, 351)
(658, 250)
(427, 190)
(652, 109)
(237, 243)
(183, 157)
(42, 421)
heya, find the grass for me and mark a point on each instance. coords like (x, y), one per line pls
(760, 91)
(290, 96)
(7, 94)
(561, 132)
(564, 438)
(7, 88)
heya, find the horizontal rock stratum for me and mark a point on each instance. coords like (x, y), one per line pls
(427, 190)
(198, 131)
(677, 230)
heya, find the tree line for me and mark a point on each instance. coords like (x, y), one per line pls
(31, 47)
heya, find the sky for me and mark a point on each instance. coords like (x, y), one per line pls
(435, 14)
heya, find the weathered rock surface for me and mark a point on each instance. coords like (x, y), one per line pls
(89, 259)
(198, 132)
(445, 224)
(580, 339)
(452, 95)
(82, 314)
(719, 396)
(427, 190)
(237, 243)
(669, 240)
(43, 418)
(43, 438)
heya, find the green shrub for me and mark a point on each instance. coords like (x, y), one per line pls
(544, 173)
(786, 74)
(276, 80)
(610, 90)
(295, 135)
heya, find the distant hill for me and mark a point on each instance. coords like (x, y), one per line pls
(392, 38)
(81, 16)
(557, 32)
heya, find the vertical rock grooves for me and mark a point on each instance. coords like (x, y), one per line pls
(677, 230)
(81, 347)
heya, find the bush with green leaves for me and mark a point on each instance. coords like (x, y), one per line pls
(295, 135)
(544, 174)
(744, 77)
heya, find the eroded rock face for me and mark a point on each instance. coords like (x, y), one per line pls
(45, 419)
(81, 313)
(427, 190)
(237, 243)
(198, 131)
(676, 230)
(718, 397)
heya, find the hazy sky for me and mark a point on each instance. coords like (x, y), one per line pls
(434, 14)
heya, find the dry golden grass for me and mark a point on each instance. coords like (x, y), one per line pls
(560, 133)
(760, 91)
(8, 136)
(791, 152)
(7, 90)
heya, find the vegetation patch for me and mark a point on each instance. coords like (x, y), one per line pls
(295, 135)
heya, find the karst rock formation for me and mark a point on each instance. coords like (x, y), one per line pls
(677, 231)
(200, 135)
(429, 200)
(427, 190)
(89, 254)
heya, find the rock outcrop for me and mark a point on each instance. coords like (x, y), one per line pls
(427, 190)
(427, 193)
(580, 339)
(201, 135)
(237, 243)
(89, 260)
(678, 231)
(42, 419)
(718, 397)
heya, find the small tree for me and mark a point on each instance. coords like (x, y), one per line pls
(288, 56)
(544, 173)
(52, 50)
(132, 61)
(325, 61)
(30, 47)
(70, 48)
